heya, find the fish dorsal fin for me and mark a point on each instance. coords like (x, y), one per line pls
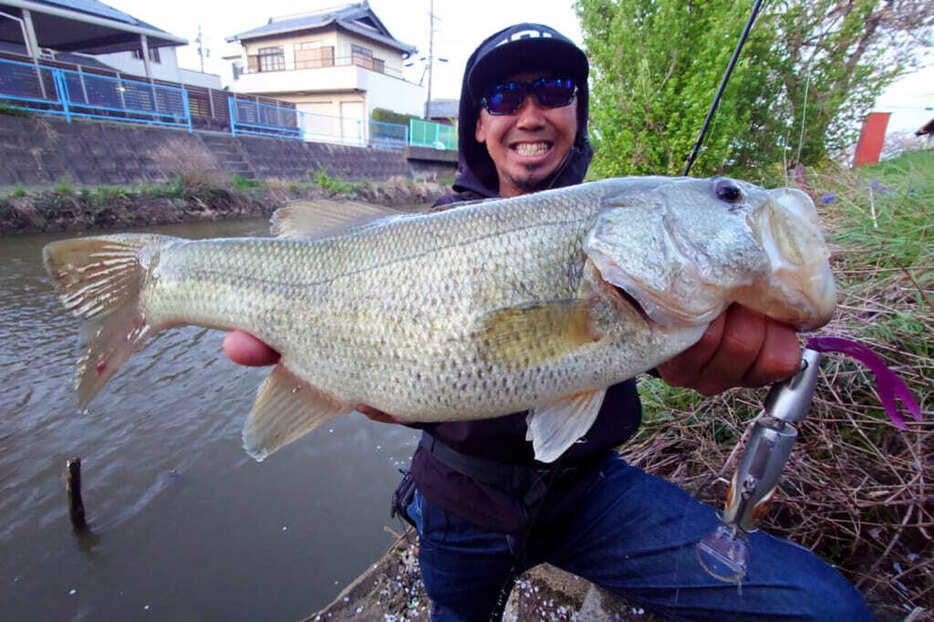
(286, 409)
(555, 427)
(317, 218)
(538, 333)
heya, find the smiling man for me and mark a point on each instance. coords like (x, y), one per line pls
(485, 510)
(526, 138)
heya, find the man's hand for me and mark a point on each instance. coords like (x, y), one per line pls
(245, 349)
(741, 348)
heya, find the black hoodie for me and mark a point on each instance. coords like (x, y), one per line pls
(520, 48)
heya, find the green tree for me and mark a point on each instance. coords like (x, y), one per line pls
(808, 73)
(656, 64)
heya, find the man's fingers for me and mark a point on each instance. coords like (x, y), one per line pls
(779, 357)
(685, 369)
(245, 349)
(740, 348)
(743, 336)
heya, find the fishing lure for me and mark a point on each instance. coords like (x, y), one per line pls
(724, 553)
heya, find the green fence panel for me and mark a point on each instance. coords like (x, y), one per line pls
(431, 134)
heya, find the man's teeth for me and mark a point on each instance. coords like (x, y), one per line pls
(531, 149)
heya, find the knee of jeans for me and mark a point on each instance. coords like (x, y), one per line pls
(831, 597)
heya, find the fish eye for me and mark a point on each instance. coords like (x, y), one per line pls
(728, 191)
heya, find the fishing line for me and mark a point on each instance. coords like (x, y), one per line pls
(804, 116)
(726, 76)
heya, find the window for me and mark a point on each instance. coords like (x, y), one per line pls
(153, 55)
(312, 54)
(272, 59)
(363, 57)
(237, 67)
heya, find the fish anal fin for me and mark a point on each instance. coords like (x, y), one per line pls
(286, 409)
(320, 217)
(555, 427)
(538, 333)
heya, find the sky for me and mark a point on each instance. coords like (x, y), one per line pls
(460, 25)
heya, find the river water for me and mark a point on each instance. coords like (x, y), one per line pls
(185, 525)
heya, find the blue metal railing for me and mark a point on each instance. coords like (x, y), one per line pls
(391, 135)
(77, 94)
(53, 90)
(252, 117)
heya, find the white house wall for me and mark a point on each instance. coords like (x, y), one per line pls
(281, 84)
(166, 69)
(390, 93)
(196, 78)
(125, 62)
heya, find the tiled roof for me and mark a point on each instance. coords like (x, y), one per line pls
(358, 18)
(98, 9)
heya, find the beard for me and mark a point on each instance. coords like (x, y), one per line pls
(531, 182)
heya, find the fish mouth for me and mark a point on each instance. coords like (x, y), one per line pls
(630, 300)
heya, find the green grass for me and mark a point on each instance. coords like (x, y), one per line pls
(63, 187)
(887, 212)
(335, 185)
(242, 184)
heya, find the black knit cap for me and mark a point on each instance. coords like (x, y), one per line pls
(521, 48)
(525, 48)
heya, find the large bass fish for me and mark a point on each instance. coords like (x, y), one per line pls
(535, 303)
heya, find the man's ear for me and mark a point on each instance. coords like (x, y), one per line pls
(479, 132)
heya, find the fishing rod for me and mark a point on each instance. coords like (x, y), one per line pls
(726, 77)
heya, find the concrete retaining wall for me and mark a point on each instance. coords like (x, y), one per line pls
(39, 151)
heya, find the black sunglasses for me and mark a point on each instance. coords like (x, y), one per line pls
(507, 97)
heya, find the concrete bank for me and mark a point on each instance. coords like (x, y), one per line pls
(391, 590)
(41, 150)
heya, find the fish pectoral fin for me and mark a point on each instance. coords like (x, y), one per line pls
(538, 333)
(286, 409)
(320, 217)
(554, 428)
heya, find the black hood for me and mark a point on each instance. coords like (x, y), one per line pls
(519, 48)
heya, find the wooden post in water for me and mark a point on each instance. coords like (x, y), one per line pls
(73, 491)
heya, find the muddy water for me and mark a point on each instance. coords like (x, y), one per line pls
(185, 526)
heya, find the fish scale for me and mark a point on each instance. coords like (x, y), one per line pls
(483, 310)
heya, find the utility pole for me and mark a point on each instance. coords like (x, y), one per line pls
(200, 48)
(431, 57)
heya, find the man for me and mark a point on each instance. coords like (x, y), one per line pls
(484, 509)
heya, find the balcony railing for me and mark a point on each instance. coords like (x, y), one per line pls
(260, 63)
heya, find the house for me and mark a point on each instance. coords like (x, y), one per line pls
(336, 65)
(444, 111)
(89, 33)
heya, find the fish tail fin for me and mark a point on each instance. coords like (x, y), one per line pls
(100, 280)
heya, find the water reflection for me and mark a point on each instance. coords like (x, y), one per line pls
(185, 526)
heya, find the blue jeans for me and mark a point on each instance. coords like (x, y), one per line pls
(634, 535)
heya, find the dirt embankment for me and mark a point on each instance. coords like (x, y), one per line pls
(52, 211)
